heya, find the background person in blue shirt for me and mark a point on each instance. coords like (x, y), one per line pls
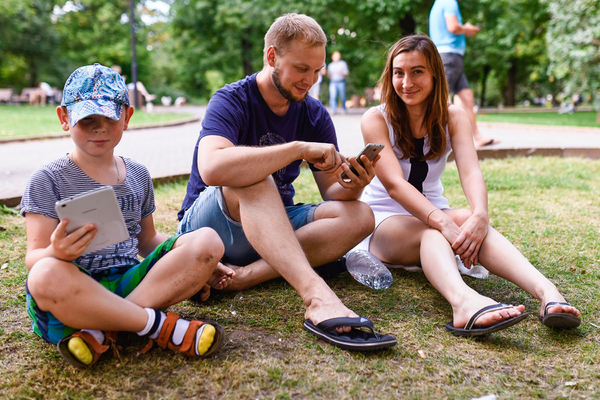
(337, 71)
(448, 32)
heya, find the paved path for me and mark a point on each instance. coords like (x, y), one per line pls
(168, 151)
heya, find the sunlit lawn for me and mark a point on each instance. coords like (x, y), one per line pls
(24, 120)
(548, 207)
(579, 118)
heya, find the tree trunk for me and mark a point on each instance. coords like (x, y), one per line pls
(509, 96)
(33, 72)
(407, 24)
(247, 54)
(484, 76)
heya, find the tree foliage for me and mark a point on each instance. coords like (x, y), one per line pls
(573, 41)
(527, 48)
(27, 41)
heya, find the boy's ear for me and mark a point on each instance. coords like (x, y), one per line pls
(63, 117)
(128, 115)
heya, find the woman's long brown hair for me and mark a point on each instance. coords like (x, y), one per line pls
(436, 111)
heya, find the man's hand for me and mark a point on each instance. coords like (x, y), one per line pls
(364, 173)
(323, 156)
(68, 247)
(470, 29)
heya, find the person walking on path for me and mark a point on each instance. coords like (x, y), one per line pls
(337, 71)
(254, 136)
(448, 32)
(315, 90)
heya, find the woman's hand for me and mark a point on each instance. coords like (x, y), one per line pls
(467, 245)
(450, 230)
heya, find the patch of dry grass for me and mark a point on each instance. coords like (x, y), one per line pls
(547, 206)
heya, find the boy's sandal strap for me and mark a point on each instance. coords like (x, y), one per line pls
(186, 347)
(189, 340)
(166, 332)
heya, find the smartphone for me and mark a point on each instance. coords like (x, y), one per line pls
(98, 206)
(371, 150)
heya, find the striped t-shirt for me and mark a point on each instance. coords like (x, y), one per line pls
(61, 178)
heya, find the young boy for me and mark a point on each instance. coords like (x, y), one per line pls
(80, 301)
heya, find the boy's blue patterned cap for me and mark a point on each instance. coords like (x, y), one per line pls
(95, 90)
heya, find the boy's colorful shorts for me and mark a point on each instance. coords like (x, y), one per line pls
(120, 281)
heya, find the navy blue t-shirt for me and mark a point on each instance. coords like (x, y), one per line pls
(239, 113)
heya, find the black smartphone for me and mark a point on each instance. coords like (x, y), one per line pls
(371, 150)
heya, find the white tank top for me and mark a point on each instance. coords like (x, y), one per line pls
(426, 176)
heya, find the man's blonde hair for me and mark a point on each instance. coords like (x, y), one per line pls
(291, 27)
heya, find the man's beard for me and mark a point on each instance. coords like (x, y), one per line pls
(283, 91)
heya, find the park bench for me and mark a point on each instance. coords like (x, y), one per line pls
(28, 95)
(5, 95)
(372, 96)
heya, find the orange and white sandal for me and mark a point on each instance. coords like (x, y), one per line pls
(187, 346)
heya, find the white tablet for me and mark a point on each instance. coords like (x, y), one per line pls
(98, 206)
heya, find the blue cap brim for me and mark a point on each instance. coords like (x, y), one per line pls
(85, 108)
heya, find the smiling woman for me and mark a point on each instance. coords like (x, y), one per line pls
(415, 224)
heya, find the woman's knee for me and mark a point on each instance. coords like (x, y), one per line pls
(460, 215)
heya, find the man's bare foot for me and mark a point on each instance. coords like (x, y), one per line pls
(204, 293)
(489, 318)
(319, 310)
(238, 281)
(221, 276)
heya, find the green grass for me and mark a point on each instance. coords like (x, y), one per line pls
(580, 118)
(30, 121)
(548, 207)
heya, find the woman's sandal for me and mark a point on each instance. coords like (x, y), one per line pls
(165, 337)
(96, 349)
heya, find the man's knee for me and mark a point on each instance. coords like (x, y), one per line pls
(264, 191)
(366, 217)
(259, 188)
(355, 215)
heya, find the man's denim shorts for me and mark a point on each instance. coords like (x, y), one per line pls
(210, 210)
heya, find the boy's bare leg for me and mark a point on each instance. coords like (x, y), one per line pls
(182, 272)
(79, 301)
(338, 227)
(266, 225)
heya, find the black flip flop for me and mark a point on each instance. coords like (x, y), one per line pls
(356, 339)
(478, 330)
(560, 319)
